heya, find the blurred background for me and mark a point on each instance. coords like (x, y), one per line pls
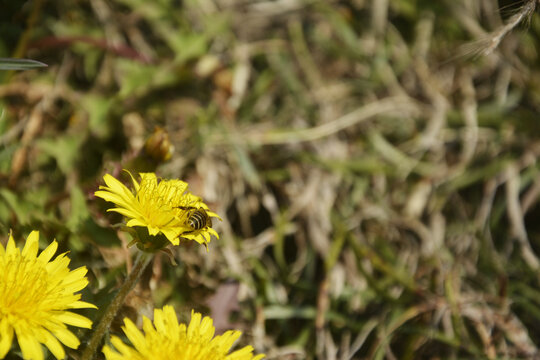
(374, 164)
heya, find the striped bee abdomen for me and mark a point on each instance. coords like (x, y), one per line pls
(198, 219)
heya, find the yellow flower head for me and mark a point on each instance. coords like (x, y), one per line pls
(173, 341)
(36, 295)
(161, 206)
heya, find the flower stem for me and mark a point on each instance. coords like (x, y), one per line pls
(140, 264)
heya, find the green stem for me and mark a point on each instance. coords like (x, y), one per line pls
(140, 264)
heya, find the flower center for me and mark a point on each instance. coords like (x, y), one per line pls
(160, 201)
(25, 287)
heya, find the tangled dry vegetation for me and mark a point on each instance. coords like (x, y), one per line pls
(374, 163)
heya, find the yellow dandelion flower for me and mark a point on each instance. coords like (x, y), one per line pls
(173, 341)
(161, 206)
(36, 295)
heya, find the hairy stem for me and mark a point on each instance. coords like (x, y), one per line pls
(140, 264)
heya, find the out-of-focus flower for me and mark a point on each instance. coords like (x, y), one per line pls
(174, 341)
(36, 295)
(163, 207)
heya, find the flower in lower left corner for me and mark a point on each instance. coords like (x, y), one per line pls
(36, 296)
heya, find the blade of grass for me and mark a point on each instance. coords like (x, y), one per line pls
(20, 64)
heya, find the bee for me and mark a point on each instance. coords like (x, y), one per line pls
(197, 218)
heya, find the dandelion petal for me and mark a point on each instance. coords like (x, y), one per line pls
(172, 340)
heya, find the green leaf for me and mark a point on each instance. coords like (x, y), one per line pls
(188, 46)
(65, 150)
(6, 155)
(19, 64)
(21, 209)
(98, 110)
(79, 211)
(138, 79)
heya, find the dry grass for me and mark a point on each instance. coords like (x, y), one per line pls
(374, 163)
